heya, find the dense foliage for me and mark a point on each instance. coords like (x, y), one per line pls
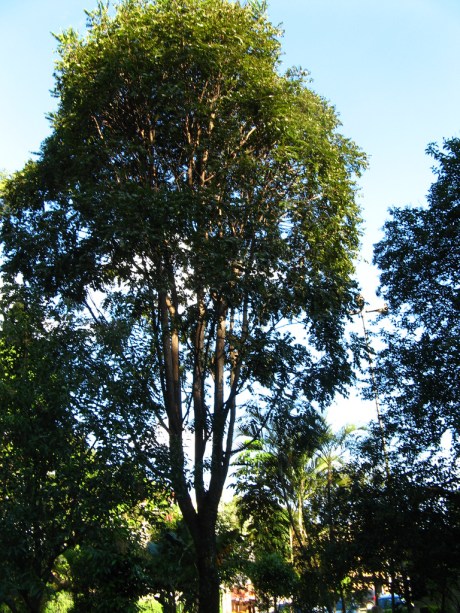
(419, 257)
(61, 494)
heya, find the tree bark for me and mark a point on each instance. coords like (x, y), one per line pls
(208, 575)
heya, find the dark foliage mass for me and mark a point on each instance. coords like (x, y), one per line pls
(420, 262)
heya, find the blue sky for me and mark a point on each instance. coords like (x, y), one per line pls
(391, 69)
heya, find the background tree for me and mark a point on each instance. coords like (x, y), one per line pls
(60, 493)
(328, 520)
(403, 527)
(43, 455)
(233, 548)
(420, 274)
(110, 571)
(273, 578)
(417, 370)
(174, 578)
(210, 199)
(273, 482)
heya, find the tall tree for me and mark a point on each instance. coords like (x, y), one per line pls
(419, 259)
(211, 200)
(416, 374)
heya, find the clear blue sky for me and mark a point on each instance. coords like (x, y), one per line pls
(391, 68)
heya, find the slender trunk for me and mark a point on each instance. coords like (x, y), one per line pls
(199, 405)
(443, 599)
(377, 589)
(392, 592)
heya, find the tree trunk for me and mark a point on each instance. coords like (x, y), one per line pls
(201, 524)
(407, 594)
(206, 560)
(208, 575)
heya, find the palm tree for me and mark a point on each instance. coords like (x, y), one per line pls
(289, 477)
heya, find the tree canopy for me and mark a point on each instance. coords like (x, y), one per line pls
(191, 201)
